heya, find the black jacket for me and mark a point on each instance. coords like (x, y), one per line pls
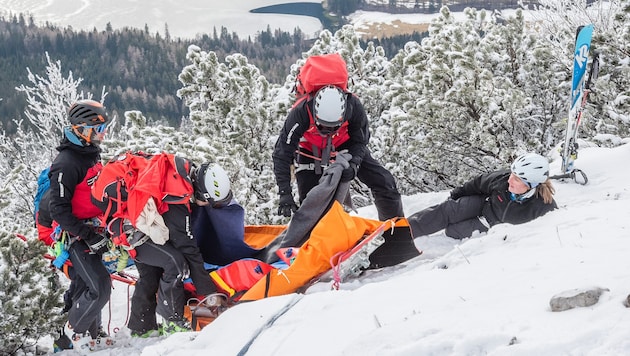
(68, 170)
(499, 207)
(298, 122)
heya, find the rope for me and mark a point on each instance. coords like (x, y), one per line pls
(335, 269)
(116, 329)
(109, 321)
(128, 303)
(332, 155)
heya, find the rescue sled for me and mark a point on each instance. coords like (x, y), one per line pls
(248, 263)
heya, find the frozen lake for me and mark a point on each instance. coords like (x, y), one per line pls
(185, 18)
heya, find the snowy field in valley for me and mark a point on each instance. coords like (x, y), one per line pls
(185, 19)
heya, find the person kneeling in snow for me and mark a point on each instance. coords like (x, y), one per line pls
(150, 213)
(513, 196)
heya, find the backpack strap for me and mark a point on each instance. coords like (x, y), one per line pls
(327, 151)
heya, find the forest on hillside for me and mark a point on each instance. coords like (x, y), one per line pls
(136, 68)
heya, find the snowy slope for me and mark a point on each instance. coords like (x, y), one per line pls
(487, 295)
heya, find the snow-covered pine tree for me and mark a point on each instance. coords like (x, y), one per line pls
(464, 107)
(605, 119)
(232, 110)
(135, 135)
(48, 99)
(403, 94)
(525, 105)
(447, 137)
(30, 295)
(608, 115)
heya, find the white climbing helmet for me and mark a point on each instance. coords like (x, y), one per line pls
(329, 108)
(212, 184)
(531, 168)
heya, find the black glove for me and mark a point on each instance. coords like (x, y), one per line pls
(99, 244)
(457, 193)
(287, 205)
(349, 173)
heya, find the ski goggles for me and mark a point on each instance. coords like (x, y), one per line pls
(327, 130)
(204, 196)
(100, 128)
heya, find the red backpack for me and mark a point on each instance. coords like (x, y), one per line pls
(319, 71)
(163, 177)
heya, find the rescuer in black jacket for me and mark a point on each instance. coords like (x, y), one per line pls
(72, 174)
(513, 196)
(315, 129)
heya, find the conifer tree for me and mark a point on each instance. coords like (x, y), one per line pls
(136, 135)
(30, 295)
(605, 119)
(468, 104)
(231, 109)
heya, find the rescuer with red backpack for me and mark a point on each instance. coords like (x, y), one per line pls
(324, 120)
(147, 202)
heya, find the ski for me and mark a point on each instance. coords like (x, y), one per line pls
(580, 88)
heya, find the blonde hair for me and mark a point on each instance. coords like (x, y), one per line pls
(546, 191)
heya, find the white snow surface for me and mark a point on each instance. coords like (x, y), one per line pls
(487, 295)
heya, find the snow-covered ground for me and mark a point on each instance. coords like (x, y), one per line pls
(488, 295)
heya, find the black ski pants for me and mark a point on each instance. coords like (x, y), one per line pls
(177, 219)
(162, 269)
(380, 181)
(459, 218)
(91, 290)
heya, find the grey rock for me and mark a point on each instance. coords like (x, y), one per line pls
(576, 298)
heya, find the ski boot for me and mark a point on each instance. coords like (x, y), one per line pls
(103, 340)
(174, 326)
(81, 342)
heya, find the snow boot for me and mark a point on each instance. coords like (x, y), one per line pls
(175, 326)
(103, 340)
(145, 334)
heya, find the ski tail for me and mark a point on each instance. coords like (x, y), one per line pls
(579, 92)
